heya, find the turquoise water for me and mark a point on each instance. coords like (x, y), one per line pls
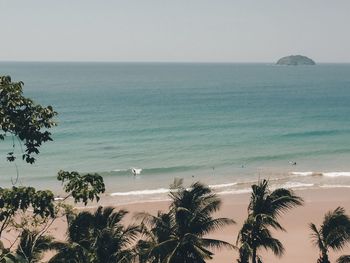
(219, 123)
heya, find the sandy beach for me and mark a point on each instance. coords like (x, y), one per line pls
(297, 238)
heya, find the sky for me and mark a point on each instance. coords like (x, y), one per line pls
(174, 31)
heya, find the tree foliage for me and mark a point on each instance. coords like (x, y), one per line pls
(22, 118)
(180, 234)
(97, 237)
(263, 211)
(16, 199)
(32, 246)
(344, 259)
(14, 202)
(334, 233)
(82, 187)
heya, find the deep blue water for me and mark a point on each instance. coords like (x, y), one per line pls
(227, 120)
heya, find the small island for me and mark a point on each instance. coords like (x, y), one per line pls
(295, 60)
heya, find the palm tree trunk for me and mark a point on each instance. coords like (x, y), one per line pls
(324, 258)
(254, 256)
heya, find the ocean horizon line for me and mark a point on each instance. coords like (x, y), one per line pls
(161, 62)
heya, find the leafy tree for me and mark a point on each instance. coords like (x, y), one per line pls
(26, 122)
(263, 211)
(18, 199)
(23, 120)
(179, 236)
(82, 187)
(20, 117)
(334, 233)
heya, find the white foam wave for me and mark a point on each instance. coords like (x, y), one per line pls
(237, 191)
(142, 192)
(120, 170)
(296, 185)
(302, 173)
(334, 186)
(328, 174)
(336, 174)
(215, 186)
(165, 190)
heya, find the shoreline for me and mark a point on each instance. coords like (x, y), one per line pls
(122, 181)
(131, 197)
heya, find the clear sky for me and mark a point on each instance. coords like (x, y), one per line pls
(177, 30)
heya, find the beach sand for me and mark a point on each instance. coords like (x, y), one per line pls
(296, 240)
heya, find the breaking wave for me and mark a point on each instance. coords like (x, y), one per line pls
(326, 174)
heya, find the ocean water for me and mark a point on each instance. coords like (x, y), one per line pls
(223, 124)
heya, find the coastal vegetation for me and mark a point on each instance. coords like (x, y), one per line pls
(180, 234)
(334, 233)
(97, 237)
(263, 211)
(22, 120)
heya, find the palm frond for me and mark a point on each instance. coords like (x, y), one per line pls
(216, 244)
(209, 207)
(79, 226)
(274, 245)
(166, 247)
(32, 245)
(68, 252)
(200, 253)
(115, 217)
(335, 229)
(203, 228)
(316, 237)
(268, 221)
(344, 259)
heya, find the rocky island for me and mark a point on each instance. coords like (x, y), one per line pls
(295, 60)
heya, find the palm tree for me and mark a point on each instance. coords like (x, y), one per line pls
(32, 245)
(344, 259)
(30, 249)
(155, 229)
(98, 237)
(263, 211)
(69, 252)
(334, 233)
(11, 258)
(179, 235)
(79, 244)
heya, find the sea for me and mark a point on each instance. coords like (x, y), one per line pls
(226, 125)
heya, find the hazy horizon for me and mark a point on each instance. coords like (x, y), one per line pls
(156, 62)
(197, 31)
